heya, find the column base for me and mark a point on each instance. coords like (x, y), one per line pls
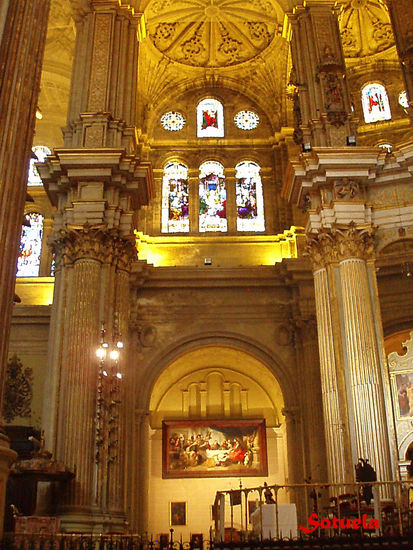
(7, 457)
(90, 521)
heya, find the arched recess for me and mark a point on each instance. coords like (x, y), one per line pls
(235, 385)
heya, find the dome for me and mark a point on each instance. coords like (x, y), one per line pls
(212, 33)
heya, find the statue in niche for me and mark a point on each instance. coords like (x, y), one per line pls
(346, 188)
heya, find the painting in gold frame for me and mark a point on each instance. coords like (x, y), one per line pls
(177, 514)
(214, 448)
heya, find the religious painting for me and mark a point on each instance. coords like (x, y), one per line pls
(197, 540)
(404, 390)
(177, 513)
(163, 540)
(214, 448)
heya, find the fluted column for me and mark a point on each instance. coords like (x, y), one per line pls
(350, 348)
(323, 110)
(401, 16)
(336, 428)
(22, 33)
(76, 434)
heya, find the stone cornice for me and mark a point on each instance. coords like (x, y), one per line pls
(68, 167)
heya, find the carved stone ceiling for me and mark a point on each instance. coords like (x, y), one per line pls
(365, 27)
(212, 33)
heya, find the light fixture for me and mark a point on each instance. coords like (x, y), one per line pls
(119, 345)
(207, 261)
(39, 114)
(306, 147)
(101, 353)
(114, 354)
(351, 141)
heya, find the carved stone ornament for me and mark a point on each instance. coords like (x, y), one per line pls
(365, 27)
(212, 33)
(93, 243)
(341, 243)
(346, 188)
(400, 362)
(147, 336)
(18, 390)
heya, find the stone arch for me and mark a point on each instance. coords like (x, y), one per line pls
(229, 340)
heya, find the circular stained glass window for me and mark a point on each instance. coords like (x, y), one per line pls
(403, 99)
(173, 121)
(246, 120)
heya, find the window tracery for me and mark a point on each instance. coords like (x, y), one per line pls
(175, 198)
(246, 120)
(212, 197)
(249, 197)
(375, 101)
(28, 263)
(173, 121)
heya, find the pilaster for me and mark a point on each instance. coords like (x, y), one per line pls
(322, 106)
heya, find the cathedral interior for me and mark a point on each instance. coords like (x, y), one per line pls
(214, 281)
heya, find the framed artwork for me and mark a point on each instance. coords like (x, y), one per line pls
(404, 393)
(163, 540)
(214, 448)
(197, 540)
(177, 513)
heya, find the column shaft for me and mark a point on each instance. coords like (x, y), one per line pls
(363, 361)
(76, 440)
(333, 415)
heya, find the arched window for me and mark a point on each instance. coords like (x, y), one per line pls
(28, 262)
(41, 152)
(212, 197)
(375, 102)
(210, 118)
(175, 198)
(250, 202)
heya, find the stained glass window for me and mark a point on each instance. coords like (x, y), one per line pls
(210, 118)
(175, 199)
(250, 202)
(41, 152)
(28, 262)
(212, 197)
(375, 102)
(246, 120)
(403, 99)
(173, 121)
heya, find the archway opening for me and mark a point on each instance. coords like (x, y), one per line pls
(213, 397)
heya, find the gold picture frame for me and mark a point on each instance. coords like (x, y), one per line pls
(177, 513)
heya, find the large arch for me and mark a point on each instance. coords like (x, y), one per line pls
(178, 369)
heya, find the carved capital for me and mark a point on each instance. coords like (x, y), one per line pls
(94, 243)
(341, 243)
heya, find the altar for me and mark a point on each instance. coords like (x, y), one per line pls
(275, 520)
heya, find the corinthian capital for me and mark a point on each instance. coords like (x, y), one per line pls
(341, 243)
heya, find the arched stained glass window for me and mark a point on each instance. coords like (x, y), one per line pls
(212, 197)
(376, 106)
(28, 262)
(250, 202)
(175, 199)
(210, 118)
(41, 152)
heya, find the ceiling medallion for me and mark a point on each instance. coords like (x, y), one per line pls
(365, 27)
(246, 120)
(173, 121)
(211, 33)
